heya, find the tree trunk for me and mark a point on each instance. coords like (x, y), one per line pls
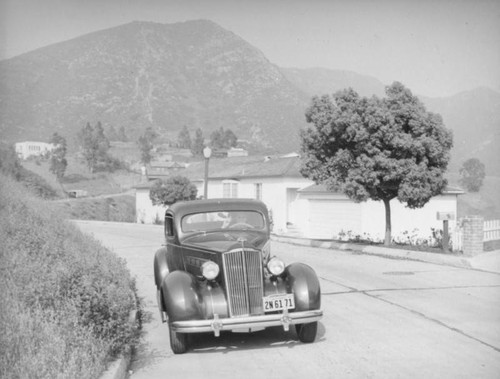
(388, 238)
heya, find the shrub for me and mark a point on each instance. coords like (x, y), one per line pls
(65, 299)
(175, 188)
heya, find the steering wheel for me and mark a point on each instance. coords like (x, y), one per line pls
(241, 225)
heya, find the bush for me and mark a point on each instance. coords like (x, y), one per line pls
(10, 166)
(175, 188)
(65, 299)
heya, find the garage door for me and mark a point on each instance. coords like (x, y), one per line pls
(328, 218)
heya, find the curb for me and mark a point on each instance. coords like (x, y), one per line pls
(436, 258)
(117, 369)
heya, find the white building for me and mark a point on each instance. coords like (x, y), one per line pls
(28, 149)
(301, 208)
(328, 215)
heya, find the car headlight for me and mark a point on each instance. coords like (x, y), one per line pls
(276, 266)
(210, 270)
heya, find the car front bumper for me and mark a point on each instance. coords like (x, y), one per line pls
(217, 324)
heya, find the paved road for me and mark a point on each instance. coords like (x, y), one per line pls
(384, 318)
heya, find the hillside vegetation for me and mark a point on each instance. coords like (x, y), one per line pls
(65, 299)
(484, 203)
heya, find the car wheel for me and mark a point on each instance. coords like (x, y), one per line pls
(178, 341)
(307, 332)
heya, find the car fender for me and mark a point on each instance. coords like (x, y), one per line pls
(303, 282)
(160, 266)
(180, 296)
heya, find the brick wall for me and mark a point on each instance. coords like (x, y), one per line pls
(472, 235)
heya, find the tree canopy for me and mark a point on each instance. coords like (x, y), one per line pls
(145, 143)
(198, 143)
(184, 138)
(223, 139)
(175, 188)
(58, 162)
(95, 146)
(376, 148)
(472, 174)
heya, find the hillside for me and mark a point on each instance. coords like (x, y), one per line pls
(147, 74)
(321, 81)
(200, 75)
(474, 117)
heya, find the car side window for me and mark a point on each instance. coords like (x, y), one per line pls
(169, 225)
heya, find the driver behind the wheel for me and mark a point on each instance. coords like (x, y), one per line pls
(235, 218)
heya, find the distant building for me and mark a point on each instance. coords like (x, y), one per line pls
(77, 193)
(161, 170)
(28, 149)
(237, 152)
(229, 153)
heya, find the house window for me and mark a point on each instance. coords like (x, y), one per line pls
(258, 191)
(230, 189)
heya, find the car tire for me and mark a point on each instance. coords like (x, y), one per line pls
(307, 332)
(178, 341)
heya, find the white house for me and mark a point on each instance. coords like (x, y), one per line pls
(328, 215)
(298, 206)
(145, 211)
(27, 149)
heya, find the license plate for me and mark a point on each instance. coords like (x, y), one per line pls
(278, 302)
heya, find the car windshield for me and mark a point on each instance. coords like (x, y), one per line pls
(207, 221)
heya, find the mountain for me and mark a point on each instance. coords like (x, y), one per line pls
(200, 75)
(322, 81)
(474, 117)
(148, 74)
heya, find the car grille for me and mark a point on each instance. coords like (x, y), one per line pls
(243, 276)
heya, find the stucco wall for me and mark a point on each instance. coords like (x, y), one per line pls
(146, 212)
(406, 223)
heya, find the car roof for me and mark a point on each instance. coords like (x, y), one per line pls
(213, 205)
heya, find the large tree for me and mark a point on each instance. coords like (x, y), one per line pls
(472, 174)
(376, 148)
(176, 188)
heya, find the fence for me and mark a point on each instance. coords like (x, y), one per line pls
(490, 232)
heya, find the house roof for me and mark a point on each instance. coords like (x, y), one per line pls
(244, 167)
(166, 164)
(321, 188)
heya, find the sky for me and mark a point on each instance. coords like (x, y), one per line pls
(434, 47)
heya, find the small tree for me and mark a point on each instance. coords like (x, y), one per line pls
(111, 134)
(122, 135)
(145, 143)
(184, 139)
(230, 139)
(198, 143)
(472, 174)
(176, 188)
(9, 162)
(223, 139)
(94, 146)
(379, 149)
(58, 162)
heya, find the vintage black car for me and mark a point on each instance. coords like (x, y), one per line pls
(217, 273)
